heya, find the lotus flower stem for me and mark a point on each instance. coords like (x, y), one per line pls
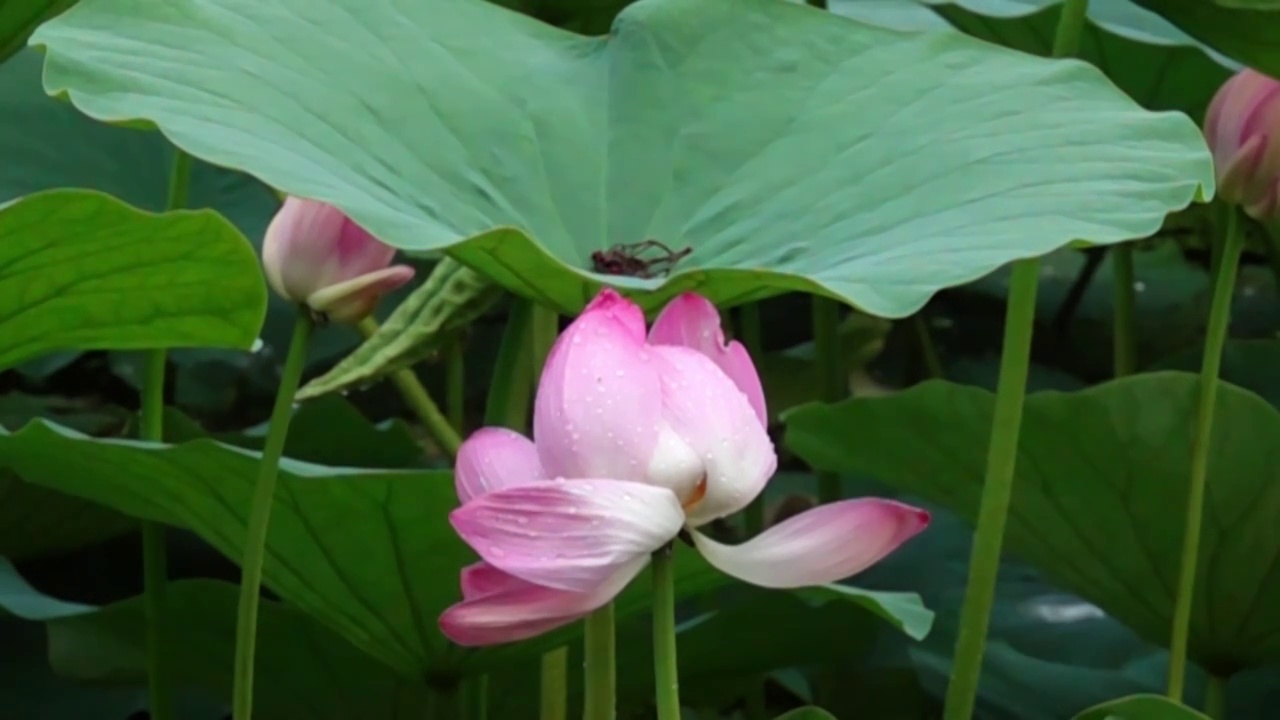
(666, 674)
(997, 489)
(1002, 453)
(928, 351)
(419, 400)
(1125, 331)
(1215, 698)
(600, 665)
(554, 688)
(155, 554)
(1215, 337)
(832, 375)
(455, 380)
(260, 514)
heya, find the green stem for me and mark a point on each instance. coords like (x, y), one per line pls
(419, 400)
(1211, 362)
(666, 674)
(1125, 331)
(511, 387)
(455, 379)
(154, 550)
(555, 681)
(1215, 699)
(599, 665)
(155, 553)
(1066, 41)
(928, 350)
(753, 339)
(832, 375)
(984, 561)
(260, 513)
(481, 707)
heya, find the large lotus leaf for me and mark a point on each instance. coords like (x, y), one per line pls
(305, 670)
(82, 270)
(790, 149)
(1099, 494)
(18, 18)
(370, 553)
(1145, 55)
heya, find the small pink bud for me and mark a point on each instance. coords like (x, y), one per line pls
(1242, 127)
(315, 255)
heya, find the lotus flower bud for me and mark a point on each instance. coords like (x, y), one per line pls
(1242, 127)
(315, 255)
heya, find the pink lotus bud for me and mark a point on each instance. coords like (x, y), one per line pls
(315, 255)
(1242, 127)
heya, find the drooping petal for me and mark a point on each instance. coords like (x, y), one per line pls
(568, 534)
(354, 299)
(494, 458)
(692, 321)
(714, 418)
(823, 545)
(481, 579)
(598, 406)
(520, 610)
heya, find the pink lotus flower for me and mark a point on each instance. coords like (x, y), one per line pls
(315, 255)
(635, 440)
(1242, 127)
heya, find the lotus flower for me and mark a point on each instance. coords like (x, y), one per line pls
(315, 255)
(1242, 127)
(636, 441)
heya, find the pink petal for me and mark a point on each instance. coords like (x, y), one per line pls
(598, 405)
(692, 321)
(494, 458)
(521, 610)
(353, 300)
(705, 409)
(569, 534)
(298, 246)
(823, 545)
(481, 579)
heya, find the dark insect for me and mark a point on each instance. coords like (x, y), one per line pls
(626, 259)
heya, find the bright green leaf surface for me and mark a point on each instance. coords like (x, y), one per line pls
(82, 270)
(1249, 35)
(1141, 707)
(305, 670)
(1098, 501)
(36, 521)
(369, 553)
(848, 160)
(1150, 59)
(19, 18)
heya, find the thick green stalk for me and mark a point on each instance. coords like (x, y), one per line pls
(1215, 337)
(1002, 453)
(419, 400)
(928, 351)
(554, 687)
(455, 378)
(154, 551)
(1126, 333)
(260, 514)
(666, 674)
(1215, 699)
(600, 679)
(832, 375)
(997, 489)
